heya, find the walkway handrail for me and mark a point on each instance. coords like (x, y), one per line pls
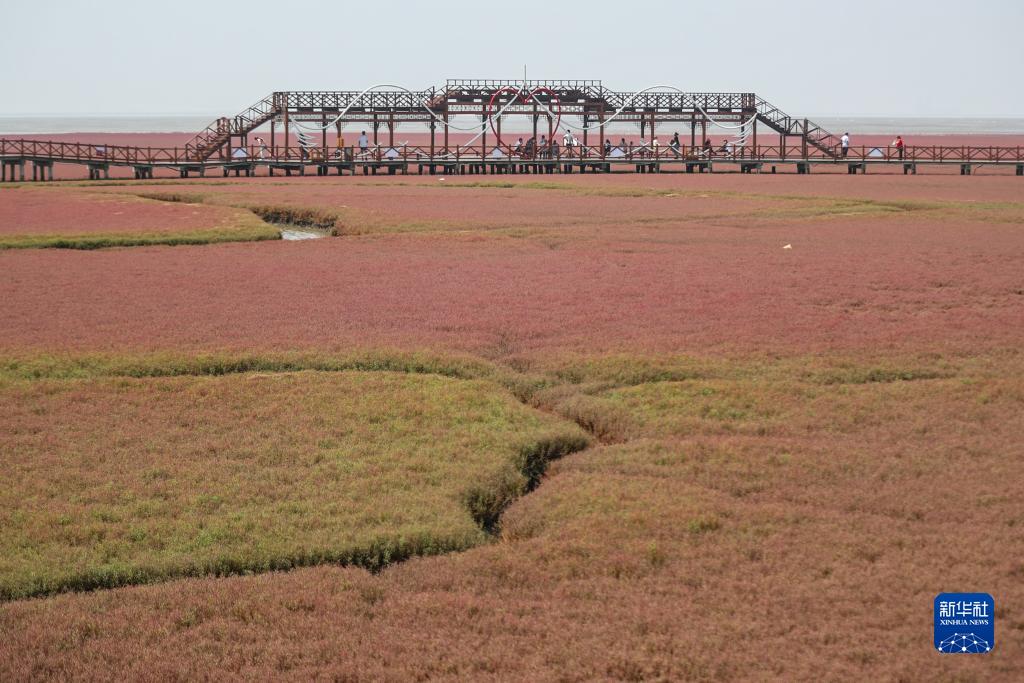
(127, 155)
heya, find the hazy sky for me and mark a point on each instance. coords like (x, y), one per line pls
(863, 57)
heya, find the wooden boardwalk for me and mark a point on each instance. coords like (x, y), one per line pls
(225, 144)
(39, 157)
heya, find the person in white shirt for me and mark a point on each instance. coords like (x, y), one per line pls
(845, 143)
(364, 142)
(567, 142)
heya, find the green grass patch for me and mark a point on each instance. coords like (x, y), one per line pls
(524, 386)
(171, 364)
(622, 397)
(245, 233)
(301, 217)
(616, 370)
(245, 224)
(175, 197)
(590, 191)
(119, 480)
(789, 406)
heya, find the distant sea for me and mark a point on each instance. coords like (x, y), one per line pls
(43, 124)
(920, 126)
(47, 123)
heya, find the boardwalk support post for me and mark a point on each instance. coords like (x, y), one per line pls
(40, 169)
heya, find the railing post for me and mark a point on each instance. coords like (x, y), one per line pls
(433, 130)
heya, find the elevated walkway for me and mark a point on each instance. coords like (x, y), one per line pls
(225, 142)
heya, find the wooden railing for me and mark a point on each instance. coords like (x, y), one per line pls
(636, 153)
(76, 152)
(206, 142)
(91, 153)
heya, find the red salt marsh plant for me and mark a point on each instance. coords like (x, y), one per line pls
(814, 441)
(537, 207)
(566, 201)
(702, 557)
(118, 481)
(895, 281)
(77, 219)
(367, 208)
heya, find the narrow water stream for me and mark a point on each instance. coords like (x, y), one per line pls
(297, 234)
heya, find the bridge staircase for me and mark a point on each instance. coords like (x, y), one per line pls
(783, 123)
(219, 133)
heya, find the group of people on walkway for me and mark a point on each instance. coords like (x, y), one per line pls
(548, 149)
(898, 144)
(573, 147)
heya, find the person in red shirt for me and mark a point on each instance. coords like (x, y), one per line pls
(899, 146)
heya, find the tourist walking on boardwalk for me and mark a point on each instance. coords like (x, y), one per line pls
(844, 142)
(542, 148)
(607, 146)
(707, 150)
(569, 142)
(262, 146)
(364, 142)
(898, 142)
(518, 147)
(674, 145)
